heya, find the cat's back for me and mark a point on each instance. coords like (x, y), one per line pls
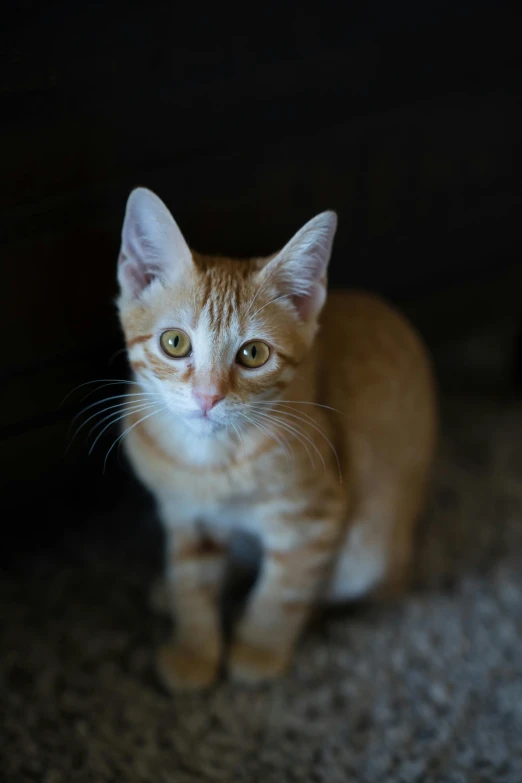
(371, 328)
(376, 370)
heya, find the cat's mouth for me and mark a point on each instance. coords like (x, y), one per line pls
(204, 422)
(202, 416)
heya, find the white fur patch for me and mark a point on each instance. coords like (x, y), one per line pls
(362, 564)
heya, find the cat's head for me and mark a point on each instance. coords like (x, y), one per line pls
(212, 336)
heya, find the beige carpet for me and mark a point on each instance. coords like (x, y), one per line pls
(430, 690)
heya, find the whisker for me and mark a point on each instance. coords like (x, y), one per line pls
(283, 296)
(126, 432)
(283, 426)
(254, 423)
(286, 445)
(301, 437)
(99, 380)
(104, 386)
(114, 397)
(263, 283)
(311, 423)
(270, 434)
(293, 432)
(119, 406)
(114, 422)
(304, 402)
(132, 408)
(240, 437)
(114, 355)
(298, 432)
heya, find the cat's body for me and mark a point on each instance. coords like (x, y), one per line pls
(323, 451)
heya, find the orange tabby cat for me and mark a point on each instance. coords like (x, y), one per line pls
(255, 409)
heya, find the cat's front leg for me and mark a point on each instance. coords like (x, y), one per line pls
(194, 575)
(296, 562)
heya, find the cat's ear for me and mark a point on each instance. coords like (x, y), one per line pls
(152, 246)
(299, 269)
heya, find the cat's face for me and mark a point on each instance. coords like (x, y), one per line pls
(214, 338)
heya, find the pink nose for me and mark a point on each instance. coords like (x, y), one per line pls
(206, 400)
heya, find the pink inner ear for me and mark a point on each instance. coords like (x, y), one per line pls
(134, 276)
(301, 265)
(309, 305)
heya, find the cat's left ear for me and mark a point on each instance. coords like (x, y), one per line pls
(299, 269)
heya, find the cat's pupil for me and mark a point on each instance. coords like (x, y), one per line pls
(176, 341)
(254, 352)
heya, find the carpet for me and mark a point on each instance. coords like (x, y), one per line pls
(429, 689)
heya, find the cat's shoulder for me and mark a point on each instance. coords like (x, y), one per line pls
(367, 319)
(350, 304)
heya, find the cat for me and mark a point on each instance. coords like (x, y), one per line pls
(256, 409)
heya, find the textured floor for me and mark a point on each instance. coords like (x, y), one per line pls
(430, 690)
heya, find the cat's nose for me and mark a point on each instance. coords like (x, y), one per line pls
(206, 399)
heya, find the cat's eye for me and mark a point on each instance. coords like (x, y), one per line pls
(253, 354)
(175, 343)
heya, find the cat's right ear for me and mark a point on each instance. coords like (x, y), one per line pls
(152, 246)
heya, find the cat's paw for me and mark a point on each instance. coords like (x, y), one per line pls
(183, 669)
(252, 665)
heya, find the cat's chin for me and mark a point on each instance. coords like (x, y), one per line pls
(202, 425)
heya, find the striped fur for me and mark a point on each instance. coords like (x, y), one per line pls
(323, 453)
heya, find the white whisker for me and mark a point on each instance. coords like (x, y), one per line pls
(304, 402)
(107, 381)
(114, 355)
(131, 408)
(114, 397)
(240, 437)
(113, 383)
(126, 432)
(311, 423)
(270, 435)
(283, 296)
(119, 406)
(300, 435)
(110, 424)
(263, 283)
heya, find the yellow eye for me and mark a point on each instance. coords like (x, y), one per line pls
(253, 354)
(175, 343)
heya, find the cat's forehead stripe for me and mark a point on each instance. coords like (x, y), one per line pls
(221, 294)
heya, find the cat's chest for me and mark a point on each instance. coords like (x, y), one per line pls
(220, 503)
(237, 495)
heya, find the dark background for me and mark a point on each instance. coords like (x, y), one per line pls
(404, 117)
